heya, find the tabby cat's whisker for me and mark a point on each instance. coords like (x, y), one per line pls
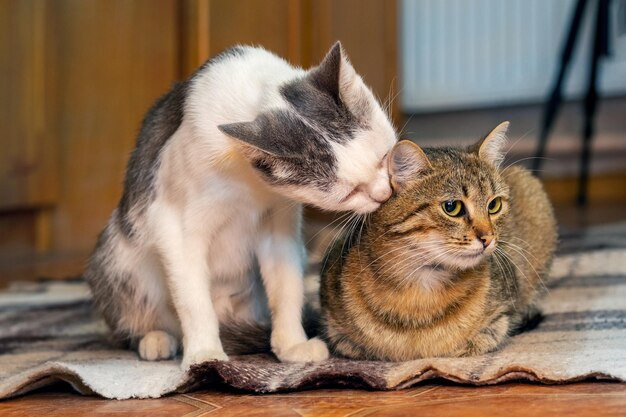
(519, 270)
(519, 252)
(409, 264)
(431, 261)
(500, 264)
(506, 262)
(506, 242)
(412, 256)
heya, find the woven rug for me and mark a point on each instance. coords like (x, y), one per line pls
(49, 333)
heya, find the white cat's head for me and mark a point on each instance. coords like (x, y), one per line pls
(327, 147)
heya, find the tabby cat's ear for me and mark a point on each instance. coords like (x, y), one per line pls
(407, 161)
(334, 71)
(259, 135)
(491, 148)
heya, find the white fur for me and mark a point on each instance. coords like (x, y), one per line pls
(156, 345)
(212, 217)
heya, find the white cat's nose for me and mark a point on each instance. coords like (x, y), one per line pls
(381, 195)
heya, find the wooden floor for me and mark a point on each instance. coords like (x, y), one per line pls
(581, 399)
(435, 399)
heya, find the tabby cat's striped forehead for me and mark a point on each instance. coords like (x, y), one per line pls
(454, 174)
(457, 172)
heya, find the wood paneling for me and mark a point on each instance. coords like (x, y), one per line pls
(268, 23)
(300, 30)
(368, 31)
(211, 26)
(603, 189)
(17, 233)
(113, 59)
(195, 32)
(28, 174)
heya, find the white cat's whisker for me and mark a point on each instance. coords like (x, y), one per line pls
(338, 219)
(340, 232)
(401, 131)
(358, 243)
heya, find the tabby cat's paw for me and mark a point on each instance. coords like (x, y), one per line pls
(313, 350)
(157, 345)
(201, 356)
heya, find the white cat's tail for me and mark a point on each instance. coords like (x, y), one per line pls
(244, 338)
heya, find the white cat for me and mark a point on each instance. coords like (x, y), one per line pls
(208, 227)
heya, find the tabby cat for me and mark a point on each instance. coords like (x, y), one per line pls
(451, 265)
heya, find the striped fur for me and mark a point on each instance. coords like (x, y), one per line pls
(414, 282)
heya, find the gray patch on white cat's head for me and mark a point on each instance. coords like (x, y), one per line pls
(296, 143)
(320, 98)
(282, 160)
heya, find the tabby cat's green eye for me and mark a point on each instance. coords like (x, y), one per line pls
(453, 208)
(495, 205)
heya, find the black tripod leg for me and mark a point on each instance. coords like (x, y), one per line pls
(600, 48)
(551, 108)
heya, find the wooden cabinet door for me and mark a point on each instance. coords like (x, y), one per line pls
(76, 78)
(368, 31)
(210, 26)
(302, 31)
(28, 158)
(114, 58)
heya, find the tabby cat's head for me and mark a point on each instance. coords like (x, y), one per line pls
(449, 204)
(326, 140)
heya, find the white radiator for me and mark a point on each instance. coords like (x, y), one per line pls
(474, 53)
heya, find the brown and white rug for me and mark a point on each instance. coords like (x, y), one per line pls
(49, 333)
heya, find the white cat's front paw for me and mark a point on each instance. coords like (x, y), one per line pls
(157, 345)
(201, 356)
(313, 350)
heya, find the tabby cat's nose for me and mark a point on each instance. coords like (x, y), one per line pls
(486, 239)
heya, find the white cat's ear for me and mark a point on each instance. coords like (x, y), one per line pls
(407, 162)
(258, 135)
(491, 148)
(333, 72)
